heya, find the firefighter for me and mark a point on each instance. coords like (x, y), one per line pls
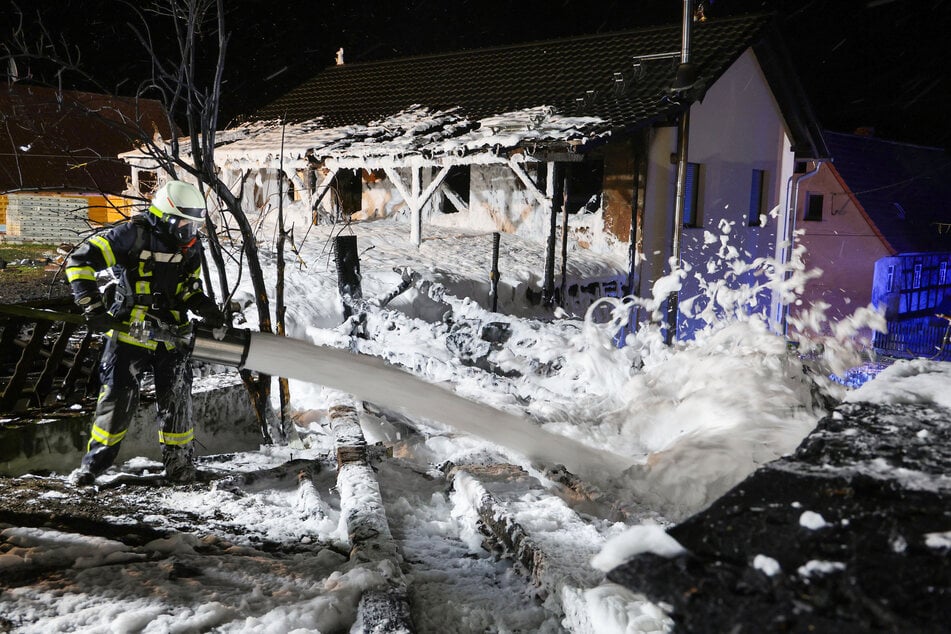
(156, 258)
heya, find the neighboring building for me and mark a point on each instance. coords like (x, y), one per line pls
(59, 171)
(877, 221)
(488, 139)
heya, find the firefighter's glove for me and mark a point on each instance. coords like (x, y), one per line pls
(98, 318)
(210, 313)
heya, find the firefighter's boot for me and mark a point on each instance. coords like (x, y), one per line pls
(179, 463)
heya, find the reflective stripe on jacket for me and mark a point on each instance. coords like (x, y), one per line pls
(154, 279)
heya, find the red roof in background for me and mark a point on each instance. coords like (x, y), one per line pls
(905, 189)
(69, 140)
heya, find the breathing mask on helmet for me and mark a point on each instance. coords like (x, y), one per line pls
(180, 209)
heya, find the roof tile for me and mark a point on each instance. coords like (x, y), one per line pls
(593, 75)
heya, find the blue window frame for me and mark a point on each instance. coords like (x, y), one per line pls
(692, 196)
(757, 197)
(814, 206)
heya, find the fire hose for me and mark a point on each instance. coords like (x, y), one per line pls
(342, 370)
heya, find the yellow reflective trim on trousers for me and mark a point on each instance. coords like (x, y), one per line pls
(103, 245)
(143, 287)
(103, 437)
(74, 273)
(172, 438)
(103, 391)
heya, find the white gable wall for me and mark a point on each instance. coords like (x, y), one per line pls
(843, 243)
(737, 128)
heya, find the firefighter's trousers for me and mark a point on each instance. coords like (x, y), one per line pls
(121, 372)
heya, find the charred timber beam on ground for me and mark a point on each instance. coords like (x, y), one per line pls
(498, 494)
(382, 610)
(504, 529)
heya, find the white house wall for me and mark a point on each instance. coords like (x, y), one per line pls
(499, 201)
(380, 199)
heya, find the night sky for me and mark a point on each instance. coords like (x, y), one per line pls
(864, 63)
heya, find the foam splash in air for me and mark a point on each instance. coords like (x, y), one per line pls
(708, 411)
(694, 418)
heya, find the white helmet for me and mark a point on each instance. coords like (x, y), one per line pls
(181, 207)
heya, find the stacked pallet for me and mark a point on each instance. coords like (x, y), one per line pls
(55, 218)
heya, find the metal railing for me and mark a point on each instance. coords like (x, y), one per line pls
(928, 337)
(46, 364)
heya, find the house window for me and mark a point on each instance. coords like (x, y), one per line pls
(890, 279)
(292, 192)
(757, 197)
(942, 273)
(347, 191)
(456, 184)
(584, 182)
(814, 206)
(916, 279)
(692, 196)
(148, 182)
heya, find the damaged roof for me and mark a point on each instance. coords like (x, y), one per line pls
(904, 189)
(617, 82)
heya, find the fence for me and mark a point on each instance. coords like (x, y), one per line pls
(46, 364)
(922, 337)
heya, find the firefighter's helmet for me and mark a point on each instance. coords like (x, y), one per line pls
(180, 207)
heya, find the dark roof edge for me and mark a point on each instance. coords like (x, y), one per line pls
(774, 59)
(517, 45)
(670, 26)
(878, 139)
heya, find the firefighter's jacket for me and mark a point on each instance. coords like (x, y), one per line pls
(155, 278)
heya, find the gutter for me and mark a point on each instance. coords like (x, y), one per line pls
(785, 240)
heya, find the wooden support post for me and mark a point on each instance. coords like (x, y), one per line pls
(348, 272)
(416, 197)
(564, 247)
(555, 185)
(494, 274)
(636, 249)
(416, 208)
(683, 136)
(322, 188)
